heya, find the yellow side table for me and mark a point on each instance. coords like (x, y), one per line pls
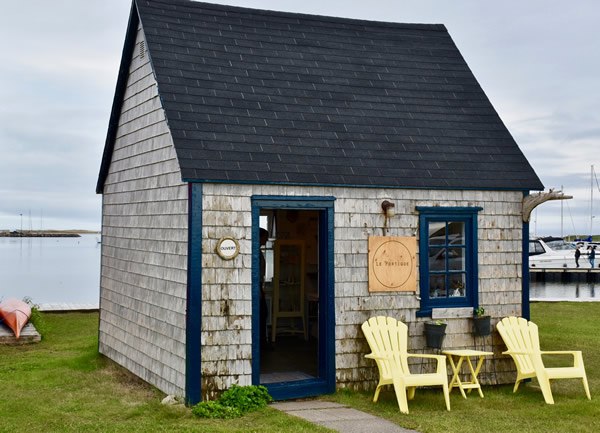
(456, 358)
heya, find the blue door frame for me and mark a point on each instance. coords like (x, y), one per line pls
(193, 377)
(325, 382)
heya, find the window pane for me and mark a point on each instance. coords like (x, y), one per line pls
(447, 254)
(437, 259)
(437, 233)
(437, 286)
(457, 285)
(456, 259)
(456, 233)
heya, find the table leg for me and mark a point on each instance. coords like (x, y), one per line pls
(456, 382)
(475, 373)
(474, 383)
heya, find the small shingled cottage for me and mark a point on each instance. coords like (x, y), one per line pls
(330, 136)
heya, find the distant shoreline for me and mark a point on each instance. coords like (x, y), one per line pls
(45, 233)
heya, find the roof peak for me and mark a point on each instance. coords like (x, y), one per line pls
(304, 16)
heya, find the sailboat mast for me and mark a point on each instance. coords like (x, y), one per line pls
(592, 202)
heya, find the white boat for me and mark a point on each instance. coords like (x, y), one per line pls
(552, 252)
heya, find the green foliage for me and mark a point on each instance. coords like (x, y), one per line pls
(235, 402)
(215, 409)
(246, 398)
(479, 311)
(37, 319)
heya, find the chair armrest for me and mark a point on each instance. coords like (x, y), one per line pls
(379, 357)
(441, 360)
(577, 355)
(426, 355)
(560, 352)
(512, 352)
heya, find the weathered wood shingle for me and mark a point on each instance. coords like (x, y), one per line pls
(144, 240)
(270, 97)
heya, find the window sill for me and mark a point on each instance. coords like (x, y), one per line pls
(447, 313)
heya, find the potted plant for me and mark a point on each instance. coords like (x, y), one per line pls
(435, 331)
(481, 322)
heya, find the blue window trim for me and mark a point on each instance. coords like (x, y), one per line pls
(525, 306)
(193, 318)
(468, 215)
(325, 383)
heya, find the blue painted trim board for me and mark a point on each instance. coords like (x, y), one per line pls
(193, 376)
(525, 310)
(327, 291)
(255, 294)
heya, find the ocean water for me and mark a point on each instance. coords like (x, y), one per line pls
(564, 291)
(51, 270)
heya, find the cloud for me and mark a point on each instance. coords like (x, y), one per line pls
(57, 94)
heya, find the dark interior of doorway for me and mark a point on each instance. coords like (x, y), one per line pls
(291, 253)
(290, 359)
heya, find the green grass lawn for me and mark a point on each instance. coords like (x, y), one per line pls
(563, 326)
(63, 385)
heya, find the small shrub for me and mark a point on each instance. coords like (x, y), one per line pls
(36, 317)
(234, 402)
(246, 398)
(214, 409)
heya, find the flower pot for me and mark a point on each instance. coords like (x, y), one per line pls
(434, 334)
(481, 325)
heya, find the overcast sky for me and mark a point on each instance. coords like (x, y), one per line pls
(538, 62)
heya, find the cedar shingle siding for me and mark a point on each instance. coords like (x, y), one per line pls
(144, 241)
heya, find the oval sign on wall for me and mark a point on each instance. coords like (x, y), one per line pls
(228, 248)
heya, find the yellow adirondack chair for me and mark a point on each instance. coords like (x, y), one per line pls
(523, 343)
(388, 340)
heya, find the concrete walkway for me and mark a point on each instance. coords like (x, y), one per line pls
(338, 417)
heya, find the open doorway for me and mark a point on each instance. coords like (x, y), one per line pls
(289, 351)
(293, 350)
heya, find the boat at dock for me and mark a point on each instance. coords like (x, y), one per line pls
(555, 253)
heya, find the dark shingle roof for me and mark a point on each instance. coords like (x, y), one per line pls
(268, 97)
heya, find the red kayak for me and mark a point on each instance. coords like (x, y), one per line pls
(15, 314)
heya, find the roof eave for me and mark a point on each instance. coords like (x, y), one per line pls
(120, 88)
(524, 189)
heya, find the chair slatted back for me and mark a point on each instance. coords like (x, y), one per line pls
(388, 337)
(519, 335)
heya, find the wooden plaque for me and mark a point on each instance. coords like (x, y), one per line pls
(392, 264)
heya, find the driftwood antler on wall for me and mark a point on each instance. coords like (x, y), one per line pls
(530, 202)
